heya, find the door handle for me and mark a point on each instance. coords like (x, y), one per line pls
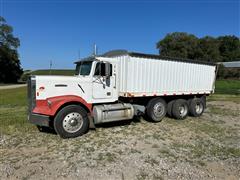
(115, 81)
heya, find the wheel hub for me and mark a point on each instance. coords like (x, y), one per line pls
(158, 109)
(198, 108)
(72, 122)
(182, 110)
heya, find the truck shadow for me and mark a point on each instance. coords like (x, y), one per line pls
(47, 130)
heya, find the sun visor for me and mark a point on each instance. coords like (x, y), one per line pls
(103, 59)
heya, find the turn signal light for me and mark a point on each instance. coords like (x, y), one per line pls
(41, 88)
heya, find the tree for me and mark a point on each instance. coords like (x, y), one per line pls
(208, 50)
(10, 66)
(178, 44)
(183, 45)
(229, 47)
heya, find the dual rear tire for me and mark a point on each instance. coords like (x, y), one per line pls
(196, 107)
(180, 109)
(157, 108)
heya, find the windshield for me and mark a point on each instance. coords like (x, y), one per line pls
(83, 68)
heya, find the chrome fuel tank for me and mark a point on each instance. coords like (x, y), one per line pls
(112, 112)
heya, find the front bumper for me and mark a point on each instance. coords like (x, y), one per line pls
(38, 119)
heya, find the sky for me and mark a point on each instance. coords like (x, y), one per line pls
(62, 30)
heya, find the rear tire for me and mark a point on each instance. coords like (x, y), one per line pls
(71, 121)
(180, 109)
(196, 107)
(156, 109)
(169, 108)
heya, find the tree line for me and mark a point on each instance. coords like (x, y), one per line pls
(177, 44)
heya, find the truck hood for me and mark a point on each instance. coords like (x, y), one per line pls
(52, 86)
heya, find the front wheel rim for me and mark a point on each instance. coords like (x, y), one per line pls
(72, 122)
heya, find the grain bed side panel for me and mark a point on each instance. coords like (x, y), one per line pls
(123, 72)
(149, 76)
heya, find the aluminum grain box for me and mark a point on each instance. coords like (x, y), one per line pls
(151, 75)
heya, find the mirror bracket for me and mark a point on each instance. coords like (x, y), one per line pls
(107, 69)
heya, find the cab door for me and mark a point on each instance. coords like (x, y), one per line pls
(103, 86)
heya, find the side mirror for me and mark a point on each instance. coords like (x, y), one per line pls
(107, 69)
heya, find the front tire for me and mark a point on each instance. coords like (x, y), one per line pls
(71, 121)
(156, 109)
(180, 109)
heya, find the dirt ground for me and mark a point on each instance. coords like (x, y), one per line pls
(13, 86)
(207, 147)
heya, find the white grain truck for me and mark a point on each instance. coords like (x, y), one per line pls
(117, 86)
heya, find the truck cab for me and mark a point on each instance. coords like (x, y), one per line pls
(94, 83)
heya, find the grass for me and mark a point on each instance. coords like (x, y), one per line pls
(224, 97)
(151, 160)
(228, 87)
(106, 157)
(205, 148)
(65, 72)
(13, 97)
(220, 111)
(13, 111)
(211, 129)
(142, 175)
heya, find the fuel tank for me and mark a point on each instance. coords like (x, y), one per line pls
(112, 112)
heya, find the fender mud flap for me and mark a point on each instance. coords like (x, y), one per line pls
(91, 123)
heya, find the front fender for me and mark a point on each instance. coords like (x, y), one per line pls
(51, 105)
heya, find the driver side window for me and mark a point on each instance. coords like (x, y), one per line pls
(100, 69)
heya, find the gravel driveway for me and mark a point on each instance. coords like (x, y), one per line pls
(13, 86)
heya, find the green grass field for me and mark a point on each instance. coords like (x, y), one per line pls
(13, 105)
(228, 87)
(13, 111)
